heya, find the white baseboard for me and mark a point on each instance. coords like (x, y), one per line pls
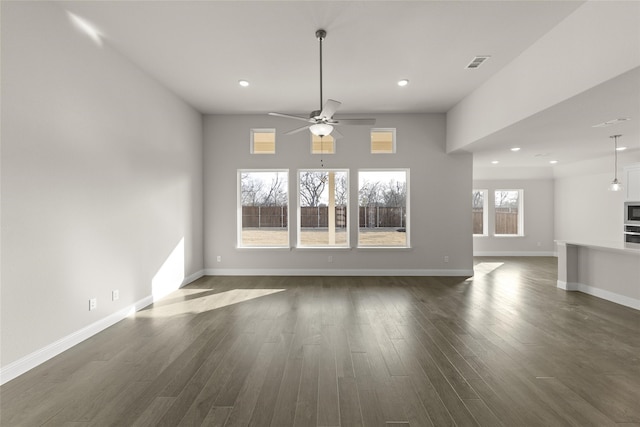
(514, 253)
(332, 272)
(600, 293)
(30, 361)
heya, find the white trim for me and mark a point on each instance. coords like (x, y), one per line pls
(331, 272)
(30, 361)
(192, 277)
(600, 293)
(515, 253)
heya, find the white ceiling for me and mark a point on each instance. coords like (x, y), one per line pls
(200, 49)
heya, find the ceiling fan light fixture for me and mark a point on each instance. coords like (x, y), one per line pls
(321, 129)
(243, 83)
(403, 82)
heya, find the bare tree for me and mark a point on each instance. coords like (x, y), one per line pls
(312, 186)
(478, 200)
(250, 189)
(370, 194)
(342, 191)
(506, 199)
(394, 194)
(275, 194)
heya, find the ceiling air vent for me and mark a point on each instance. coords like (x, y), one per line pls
(477, 61)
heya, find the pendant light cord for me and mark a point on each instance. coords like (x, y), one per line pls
(615, 156)
(320, 38)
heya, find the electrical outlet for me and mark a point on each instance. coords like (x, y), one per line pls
(330, 258)
(219, 258)
(446, 258)
(115, 295)
(93, 304)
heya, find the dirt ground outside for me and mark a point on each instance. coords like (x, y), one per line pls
(320, 237)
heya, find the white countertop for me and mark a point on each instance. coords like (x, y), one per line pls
(611, 245)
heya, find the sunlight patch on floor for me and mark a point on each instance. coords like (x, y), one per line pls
(484, 268)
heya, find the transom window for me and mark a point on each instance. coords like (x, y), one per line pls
(322, 145)
(383, 141)
(263, 141)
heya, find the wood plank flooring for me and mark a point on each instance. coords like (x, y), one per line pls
(504, 348)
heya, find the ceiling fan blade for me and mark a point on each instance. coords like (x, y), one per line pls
(291, 132)
(336, 135)
(356, 122)
(330, 108)
(288, 116)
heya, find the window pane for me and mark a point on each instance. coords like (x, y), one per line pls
(324, 145)
(264, 208)
(263, 141)
(478, 212)
(383, 141)
(324, 201)
(382, 205)
(507, 206)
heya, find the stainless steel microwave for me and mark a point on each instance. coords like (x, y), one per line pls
(632, 213)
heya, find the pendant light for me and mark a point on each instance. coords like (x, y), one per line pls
(615, 184)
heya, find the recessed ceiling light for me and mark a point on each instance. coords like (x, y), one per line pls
(515, 149)
(243, 83)
(553, 162)
(495, 162)
(403, 82)
(621, 148)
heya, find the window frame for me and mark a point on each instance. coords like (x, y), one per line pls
(239, 228)
(520, 224)
(299, 244)
(485, 212)
(407, 213)
(252, 133)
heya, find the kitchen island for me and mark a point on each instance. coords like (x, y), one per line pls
(608, 270)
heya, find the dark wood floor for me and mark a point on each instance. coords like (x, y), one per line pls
(504, 348)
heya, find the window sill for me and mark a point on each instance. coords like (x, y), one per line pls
(262, 248)
(508, 235)
(322, 248)
(384, 248)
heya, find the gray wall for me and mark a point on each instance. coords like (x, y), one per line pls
(585, 210)
(538, 219)
(101, 180)
(440, 185)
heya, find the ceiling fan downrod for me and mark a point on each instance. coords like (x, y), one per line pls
(320, 35)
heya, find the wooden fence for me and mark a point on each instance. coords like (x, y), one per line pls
(318, 217)
(506, 221)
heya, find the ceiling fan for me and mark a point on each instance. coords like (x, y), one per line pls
(321, 122)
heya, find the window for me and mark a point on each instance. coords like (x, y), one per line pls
(324, 145)
(508, 213)
(323, 208)
(383, 208)
(263, 202)
(479, 212)
(263, 141)
(383, 141)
